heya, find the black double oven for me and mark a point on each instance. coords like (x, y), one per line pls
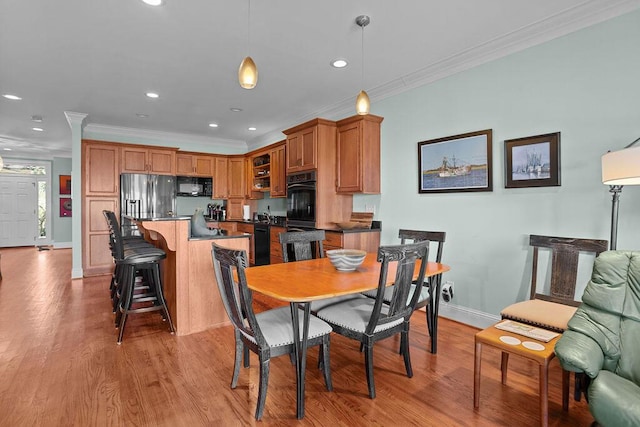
(301, 200)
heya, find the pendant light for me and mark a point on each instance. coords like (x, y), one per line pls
(362, 101)
(248, 72)
(1, 163)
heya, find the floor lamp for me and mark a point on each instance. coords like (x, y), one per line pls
(620, 168)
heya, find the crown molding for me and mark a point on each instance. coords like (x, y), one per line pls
(98, 131)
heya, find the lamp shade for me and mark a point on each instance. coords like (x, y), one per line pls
(248, 73)
(621, 167)
(362, 103)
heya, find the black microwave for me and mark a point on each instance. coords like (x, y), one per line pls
(194, 186)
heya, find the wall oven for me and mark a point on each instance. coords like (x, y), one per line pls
(301, 199)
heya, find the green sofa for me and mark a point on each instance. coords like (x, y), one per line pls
(603, 339)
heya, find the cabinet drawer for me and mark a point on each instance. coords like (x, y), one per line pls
(332, 239)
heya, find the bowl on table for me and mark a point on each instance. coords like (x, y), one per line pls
(346, 259)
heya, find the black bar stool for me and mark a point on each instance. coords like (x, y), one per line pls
(132, 261)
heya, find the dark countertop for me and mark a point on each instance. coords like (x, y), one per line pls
(375, 228)
(157, 218)
(226, 235)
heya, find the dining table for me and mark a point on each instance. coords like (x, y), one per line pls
(301, 282)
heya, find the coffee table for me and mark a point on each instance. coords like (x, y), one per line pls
(514, 345)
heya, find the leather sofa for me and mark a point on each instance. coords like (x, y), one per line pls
(603, 339)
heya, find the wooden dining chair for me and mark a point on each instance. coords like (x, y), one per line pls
(268, 333)
(431, 287)
(369, 320)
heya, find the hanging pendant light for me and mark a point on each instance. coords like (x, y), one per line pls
(248, 72)
(362, 101)
(1, 163)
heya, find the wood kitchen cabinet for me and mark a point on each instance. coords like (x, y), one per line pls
(194, 165)
(236, 177)
(368, 240)
(234, 209)
(275, 248)
(100, 191)
(141, 159)
(250, 192)
(248, 228)
(302, 143)
(220, 176)
(278, 171)
(358, 155)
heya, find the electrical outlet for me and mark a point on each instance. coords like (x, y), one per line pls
(447, 291)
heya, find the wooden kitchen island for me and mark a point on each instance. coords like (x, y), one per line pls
(190, 287)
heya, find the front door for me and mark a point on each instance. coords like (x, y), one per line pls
(18, 211)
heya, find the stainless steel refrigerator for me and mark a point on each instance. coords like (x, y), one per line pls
(145, 196)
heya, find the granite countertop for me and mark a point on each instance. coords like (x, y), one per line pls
(226, 235)
(375, 227)
(158, 218)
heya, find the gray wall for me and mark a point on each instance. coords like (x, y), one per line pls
(61, 225)
(584, 85)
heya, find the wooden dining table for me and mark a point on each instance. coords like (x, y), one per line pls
(302, 282)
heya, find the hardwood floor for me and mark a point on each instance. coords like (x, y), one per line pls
(60, 366)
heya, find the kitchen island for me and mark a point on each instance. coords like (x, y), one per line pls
(189, 281)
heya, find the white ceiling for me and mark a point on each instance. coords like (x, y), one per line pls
(100, 57)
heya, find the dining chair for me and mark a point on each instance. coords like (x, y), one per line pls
(431, 287)
(369, 320)
(306, 245)
(268, 333)
(551, 307)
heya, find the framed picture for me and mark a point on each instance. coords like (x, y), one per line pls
(65, 206)
(455, 163)
(533, 161)
(65, 184)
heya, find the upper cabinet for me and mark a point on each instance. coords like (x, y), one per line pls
(148, 160)
(220, 175)
(194, 165)
(101, 172)
(358, 155)
(302, 144)
(236, 177)
(278, 171)
(250, 192)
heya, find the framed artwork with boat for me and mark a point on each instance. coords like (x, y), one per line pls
(532, 161)
(456, 163)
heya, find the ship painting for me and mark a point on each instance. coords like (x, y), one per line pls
(534, 167)
(447, 170)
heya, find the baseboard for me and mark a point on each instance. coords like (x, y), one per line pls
(62, 245)
(466, 315)
(76, 273)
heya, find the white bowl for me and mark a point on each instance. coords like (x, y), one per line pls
(346, 259)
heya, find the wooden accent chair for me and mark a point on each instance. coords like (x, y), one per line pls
(552, 311)
(368, 320)
(268, 333)
(431, 288)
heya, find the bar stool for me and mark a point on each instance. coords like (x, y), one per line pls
(131, 262)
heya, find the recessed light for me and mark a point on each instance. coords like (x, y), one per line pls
(142, 116)
(235, 109)
(252, 128)
(213, 125)
(12, 97)
(38, 129)
(154, 2)
(339, 63)
(7, 149)
(37, 119)
(153, 95)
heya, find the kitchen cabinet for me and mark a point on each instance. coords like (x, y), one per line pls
(100, 191)
(236, 178)
(141, 159)
(278, 171)
(302, 143)
(250, 192)
(368, 240)
(275, 247)
(261, 177)
(220, 176)
(248, 228)
(234, 209)
(358, 155)
(194, 165)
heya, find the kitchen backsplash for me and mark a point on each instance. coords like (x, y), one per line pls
(188, 205)
(276, 206)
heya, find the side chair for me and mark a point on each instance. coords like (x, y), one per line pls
(268, 333)
(369, 320)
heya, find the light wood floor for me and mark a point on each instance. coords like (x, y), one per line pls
(60, 366)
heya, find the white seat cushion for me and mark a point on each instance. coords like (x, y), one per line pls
(277, 328)
(354, 314)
